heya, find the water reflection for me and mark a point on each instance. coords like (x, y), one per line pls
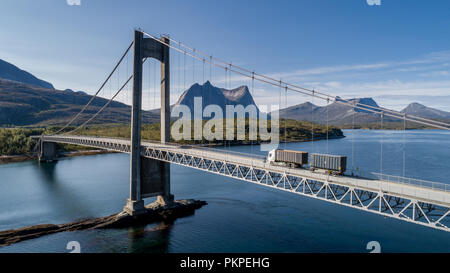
(61, 196)
(152, 238)
(47, 170)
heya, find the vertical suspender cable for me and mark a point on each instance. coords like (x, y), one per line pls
(229, 87)
(128, 93)
(225, 79)
(381, 144)
(179, 73)
(285, 128)
(154, 79)
(203, 84)
(226, 85)
(184, 72)
(193, 70)
(251, 140)
(109, 96)
(229, 77)
(312, 123)
(279, 103)
(353, 138)
(155, 90)
(404, 145)
(210, 69)
(328, 100)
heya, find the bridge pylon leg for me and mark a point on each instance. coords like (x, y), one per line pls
(135, 204)
(47, 151)
(166, 197)
(143, 171)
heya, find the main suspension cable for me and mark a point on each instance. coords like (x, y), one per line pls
(106, 104)
(98, 91)
(299, 87)
(101, 109)
(269, 80)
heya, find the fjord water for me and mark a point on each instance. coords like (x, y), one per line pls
(239, 217)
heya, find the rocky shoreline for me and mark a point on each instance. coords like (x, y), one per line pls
(154, 213)
(4, 159)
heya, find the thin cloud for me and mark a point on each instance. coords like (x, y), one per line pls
(434, 57)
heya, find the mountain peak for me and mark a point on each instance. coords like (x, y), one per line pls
(423, 111)
(237, 93)
(214, 95)
(11, 72)
(361, 104)
(414, 105)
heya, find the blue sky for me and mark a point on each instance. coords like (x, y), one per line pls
(398, 52)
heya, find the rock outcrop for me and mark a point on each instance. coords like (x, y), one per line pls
(155, 212)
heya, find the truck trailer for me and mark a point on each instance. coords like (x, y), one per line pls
(334, 163)
(289, 157)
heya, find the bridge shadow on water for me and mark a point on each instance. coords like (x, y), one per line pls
(47, 170)
(61, 196)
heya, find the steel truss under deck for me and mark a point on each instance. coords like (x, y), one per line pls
(398, 207)
(415, 210)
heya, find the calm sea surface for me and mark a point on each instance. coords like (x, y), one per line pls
(239, 217)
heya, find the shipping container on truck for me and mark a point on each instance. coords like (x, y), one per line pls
(334, 163)
(293, 158)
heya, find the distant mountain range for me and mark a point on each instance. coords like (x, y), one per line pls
(27, 100)
(24, 104)
(339, 114)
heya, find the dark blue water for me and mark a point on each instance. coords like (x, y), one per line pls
(239, 217)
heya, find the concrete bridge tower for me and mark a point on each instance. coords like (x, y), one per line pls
(149, 177)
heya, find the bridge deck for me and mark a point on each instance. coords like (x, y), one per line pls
(253, 168)
(122, 145)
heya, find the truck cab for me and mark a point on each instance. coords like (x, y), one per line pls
(271, 156)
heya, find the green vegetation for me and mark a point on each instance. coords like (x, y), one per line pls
(295, 131)
(302, 130)
(17, 141)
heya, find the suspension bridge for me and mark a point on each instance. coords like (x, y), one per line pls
(415, 201)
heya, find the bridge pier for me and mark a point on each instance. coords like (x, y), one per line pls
(47, 151)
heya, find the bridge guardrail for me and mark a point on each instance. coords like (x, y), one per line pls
(413, 182)
(252, 158)
(206, 149)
